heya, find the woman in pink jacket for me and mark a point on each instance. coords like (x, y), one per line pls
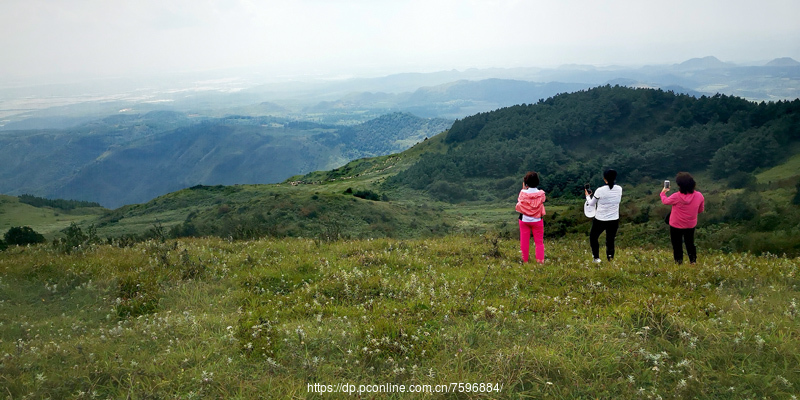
(686, 204)
(530, 203)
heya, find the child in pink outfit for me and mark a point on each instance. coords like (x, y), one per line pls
(530, 204)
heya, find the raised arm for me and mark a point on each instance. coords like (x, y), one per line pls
(667, 200)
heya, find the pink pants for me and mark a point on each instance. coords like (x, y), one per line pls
(525, 229)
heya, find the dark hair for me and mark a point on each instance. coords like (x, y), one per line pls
(531, 179)
(610, 176)
(686, 183)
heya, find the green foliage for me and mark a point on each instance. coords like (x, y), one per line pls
(756, 148)
(742, 207)
(388, 134)
(22, 236)
(62, 204)
(75, 239)
(367, 194)
(741, 180)
(3, 245)
(796, 198)
(450, 192)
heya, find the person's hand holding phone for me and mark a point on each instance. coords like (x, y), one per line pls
(666, 187)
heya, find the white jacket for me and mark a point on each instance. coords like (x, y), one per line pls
(607, 201)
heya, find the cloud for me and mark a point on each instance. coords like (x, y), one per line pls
(97, 37)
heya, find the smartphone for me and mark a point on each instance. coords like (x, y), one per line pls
(586, 186)
(666, 184)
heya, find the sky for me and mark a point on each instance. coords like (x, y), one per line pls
(54, 39)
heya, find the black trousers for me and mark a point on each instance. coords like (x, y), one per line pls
(598, 227)
(679, 237)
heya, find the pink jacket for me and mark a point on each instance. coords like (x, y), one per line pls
(531, 204)
(685, 208)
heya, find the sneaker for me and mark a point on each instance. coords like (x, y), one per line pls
(597, 261)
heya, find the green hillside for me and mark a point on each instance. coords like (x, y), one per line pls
(48, 221)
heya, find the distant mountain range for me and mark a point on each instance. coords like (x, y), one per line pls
(133, 158)
(457, 94)
(356, 100)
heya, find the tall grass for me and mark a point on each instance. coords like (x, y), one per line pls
(218, 319)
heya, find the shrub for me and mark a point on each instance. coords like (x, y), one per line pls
(796, 199)
(769, 221)
(741, 180)
(74, 238)
(367, 195)
(23, 235)
(450, 192)
(741, 207)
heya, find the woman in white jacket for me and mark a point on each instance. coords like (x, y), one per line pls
(607, 199)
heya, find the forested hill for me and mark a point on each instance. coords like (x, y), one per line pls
(390, 133)
(571, 138)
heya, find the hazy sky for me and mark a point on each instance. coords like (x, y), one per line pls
(40, 38)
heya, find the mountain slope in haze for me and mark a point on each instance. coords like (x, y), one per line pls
(473, 92)
(783, 62)
(709, 62)
(451, 100)
(126, 159)
(39, 161)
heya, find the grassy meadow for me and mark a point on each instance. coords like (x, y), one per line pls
(47, 221)
(213, 318)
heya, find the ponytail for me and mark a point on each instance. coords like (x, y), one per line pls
(610, 176)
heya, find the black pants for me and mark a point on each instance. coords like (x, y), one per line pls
(611, 232)
(678, 237)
